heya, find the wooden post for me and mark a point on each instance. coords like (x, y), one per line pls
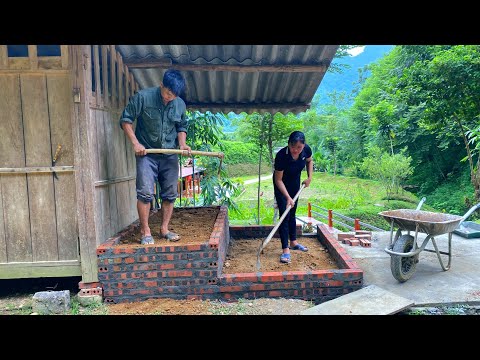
(83, 143)
(357, 224)
(330, 220)
(309, 210)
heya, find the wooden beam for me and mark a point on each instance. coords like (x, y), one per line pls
(32, 55)
(3, 57)
(161, 64)
(239, 106)
(39, 169)
(84, 157)
(16, 270)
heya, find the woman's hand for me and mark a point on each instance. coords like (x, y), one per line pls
(290, 202)
(307, 182)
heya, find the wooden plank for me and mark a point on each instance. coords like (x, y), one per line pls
(121, 94)
(65, 51)
(84, 158)
(120, 159)
(37, 169)
(38, 72)
(60, 110)
(102, 194)
(3, 57)
(113, 61)
(123, 203)
(132, 83)
(106, 92)
(155, 64)
(14, 188)
(133, 201)
(19, 63)
(50, 62)
(114, 181)
(103, 215)
(38, 152)
(32, 55)
(96, 68)
(127, 84)
(3, 240)
(240, 106)
(111, 172)
(40, 269)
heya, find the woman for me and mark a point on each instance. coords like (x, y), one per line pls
(289, 163)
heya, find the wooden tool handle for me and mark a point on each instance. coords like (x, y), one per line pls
(269, 237)
(184, 152)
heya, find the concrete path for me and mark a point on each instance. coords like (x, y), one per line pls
(429, 285)
(251, 181)
(370, 300)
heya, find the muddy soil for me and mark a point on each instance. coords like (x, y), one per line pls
(194, 225)
(242, 256)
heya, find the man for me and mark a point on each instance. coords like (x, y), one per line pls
(161, 124)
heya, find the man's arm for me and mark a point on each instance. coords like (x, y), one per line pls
(137, 147)
(182, 141)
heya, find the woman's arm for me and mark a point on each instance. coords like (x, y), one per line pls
(281, 186)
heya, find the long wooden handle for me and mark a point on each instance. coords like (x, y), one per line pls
(269, 237)
(184, 152)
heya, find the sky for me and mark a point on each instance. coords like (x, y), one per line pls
(356, 51)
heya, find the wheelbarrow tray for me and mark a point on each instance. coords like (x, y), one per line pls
(428, 222)
(468, 229)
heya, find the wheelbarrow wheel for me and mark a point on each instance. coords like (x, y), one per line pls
(403, 267)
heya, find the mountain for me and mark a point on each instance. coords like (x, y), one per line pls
(346, 80)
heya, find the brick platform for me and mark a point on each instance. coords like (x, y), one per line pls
(134, 273)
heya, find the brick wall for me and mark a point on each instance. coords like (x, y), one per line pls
(135, 273)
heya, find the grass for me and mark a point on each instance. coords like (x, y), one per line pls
(349, 196)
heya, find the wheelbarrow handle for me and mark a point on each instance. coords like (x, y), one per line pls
(469, 212)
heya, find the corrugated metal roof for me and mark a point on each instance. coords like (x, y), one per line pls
(268, 90)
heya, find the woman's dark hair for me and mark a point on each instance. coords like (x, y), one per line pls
(295, 137)
(174, 81)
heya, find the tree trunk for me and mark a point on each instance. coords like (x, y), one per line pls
(474, 177)
(270, 141)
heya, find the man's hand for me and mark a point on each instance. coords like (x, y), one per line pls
(139, 149)
(186, 147)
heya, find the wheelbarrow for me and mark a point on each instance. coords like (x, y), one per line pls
(403, 248)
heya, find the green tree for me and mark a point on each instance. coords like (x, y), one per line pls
(389, 170)
(444, 82)
(203, 133)
(267, 129)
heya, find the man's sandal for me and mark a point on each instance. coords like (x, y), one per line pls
(171, 236)
(147, 240)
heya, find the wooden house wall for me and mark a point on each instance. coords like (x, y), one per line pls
(38, 219)
(48, 226)
(115, 173)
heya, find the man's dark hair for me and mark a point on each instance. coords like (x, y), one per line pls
(174, 81)
(296, 136)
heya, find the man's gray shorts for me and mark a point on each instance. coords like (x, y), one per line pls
(161, 167)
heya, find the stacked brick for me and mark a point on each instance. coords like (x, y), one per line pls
(139, 272)
(360, 238)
